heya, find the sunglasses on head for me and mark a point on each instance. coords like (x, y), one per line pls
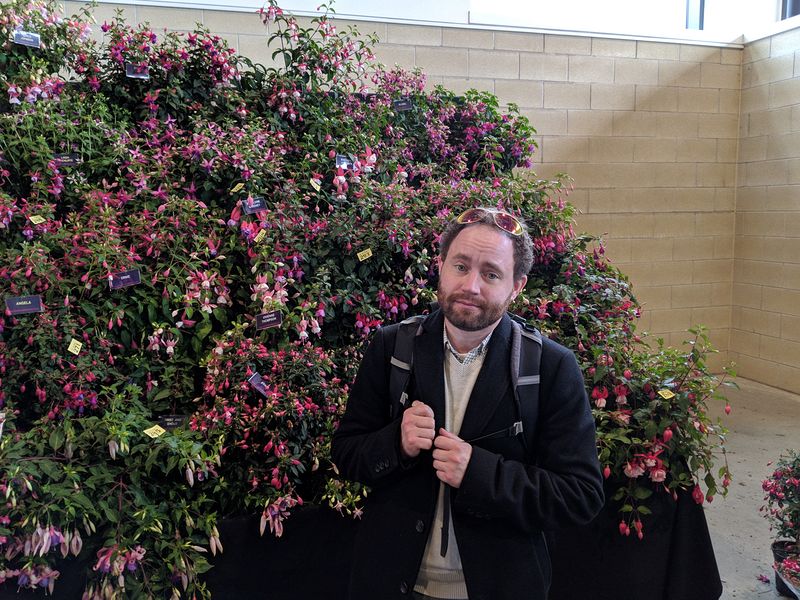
(505, 221)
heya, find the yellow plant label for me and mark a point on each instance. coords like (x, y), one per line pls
(155, 431)
(315, 184)
(666, 394)
(75, 346)
(364, 254)
(37, 219)
(237, 188)
(260, 236)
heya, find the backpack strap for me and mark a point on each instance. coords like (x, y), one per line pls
(402, 363)
(526, 358)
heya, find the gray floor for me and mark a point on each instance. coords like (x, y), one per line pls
(764, 422)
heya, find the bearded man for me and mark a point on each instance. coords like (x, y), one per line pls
(460, 495)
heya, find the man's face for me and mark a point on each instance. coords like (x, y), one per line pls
(476, 281)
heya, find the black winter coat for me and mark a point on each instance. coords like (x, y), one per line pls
(506, 498)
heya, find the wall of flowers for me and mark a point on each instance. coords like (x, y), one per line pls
(193, 251)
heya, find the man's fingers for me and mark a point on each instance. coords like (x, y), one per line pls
(421, 409)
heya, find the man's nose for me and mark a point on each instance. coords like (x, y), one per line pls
(472, 283)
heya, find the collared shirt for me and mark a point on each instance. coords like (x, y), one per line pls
(470, 356)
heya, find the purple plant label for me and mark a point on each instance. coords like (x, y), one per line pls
(254, 205)
(27, 38)
(343, 162)
(2, 422)
(124, 279)
(403, 104)
(258, 384)
(21, 305)
(269, 320)
(170, 422)
(68, 159)
(136, 72)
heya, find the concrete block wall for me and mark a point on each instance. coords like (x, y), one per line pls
(765, 325)
(648, 131)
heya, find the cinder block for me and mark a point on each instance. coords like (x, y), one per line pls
(679, 73)
(720, 76)
(789, 327)
(784, 93)
(494, 63)
(758, 272)
(450, 62)
(781, 301)
(716, 175)
(755, 99)
(714, 223)
(655, 250)
(223, 21)
(608, 47)
(757, 50)
(772, 172)
(591, 69)
(657, 98)
(416, 35)
(770, 122)
(636, 70)
(731, 56)
(618, 251)
(566, 44)
(783, 146)
(786, 42)
(727, 150)
(527, 42)
(792, 221)
(566, 95)
(677, 125)
(255, 48)
(753, 149)
(393, 54)
(459, 85)
(613, 97)
(598, 225)
(666, 174)
(780, 198)
(610, 200)
(611, 149)
(700, 247)
(527, 94)
(654, 297)
(769, 70)
(713, 317)
(172, 18)
(700, 54)
(589, 122)
(364, 28)
(698, 100)
(696, 150)
(547, 121)
(632, 123)
(633, 225)
(724, 200)
(543, 67)
(655, 150)
(712, 271)
(658, 50)
(780, 351)
(794, 171)
(745, 294)
(791, 276)
(759, 321)
(664, 321)
(719, 126)
(729, 101)
(565, 149)
(467, 38)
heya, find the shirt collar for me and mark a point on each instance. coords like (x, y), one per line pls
(470, 356)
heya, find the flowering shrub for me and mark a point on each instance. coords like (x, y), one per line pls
(782, 497)
(789, 568)
(209, 243)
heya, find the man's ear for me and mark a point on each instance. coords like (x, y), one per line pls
(439, 262)
(519, 285)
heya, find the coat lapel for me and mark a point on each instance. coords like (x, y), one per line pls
(429, 366)
(492, 383)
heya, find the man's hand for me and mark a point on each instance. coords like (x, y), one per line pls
(451, 456)
(417, 429)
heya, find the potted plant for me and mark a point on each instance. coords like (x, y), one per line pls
(782, 509)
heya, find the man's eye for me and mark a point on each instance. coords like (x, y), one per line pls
(492, 276)
(461, 268)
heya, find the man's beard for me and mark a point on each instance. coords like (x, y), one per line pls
(471, 320)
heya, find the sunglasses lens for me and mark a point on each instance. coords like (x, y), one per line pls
(508, 223)
(471, 215)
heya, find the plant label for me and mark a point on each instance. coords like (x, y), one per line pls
(364, 254)
(260, 236)
(37, 220)
(315, 184)
(67, 159)
(27, 38)
(403, 104)
(269, 320)
(21, 305)
(124, 279)
(74, 346)
(170, 422)
(2, 422)
(254, 205)
(137, 72)
(666, 394)
(237, 188)
(155, 431)
(343, 162)
(258, 384)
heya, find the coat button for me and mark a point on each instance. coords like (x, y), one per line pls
(420, 526)
(403, 587)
